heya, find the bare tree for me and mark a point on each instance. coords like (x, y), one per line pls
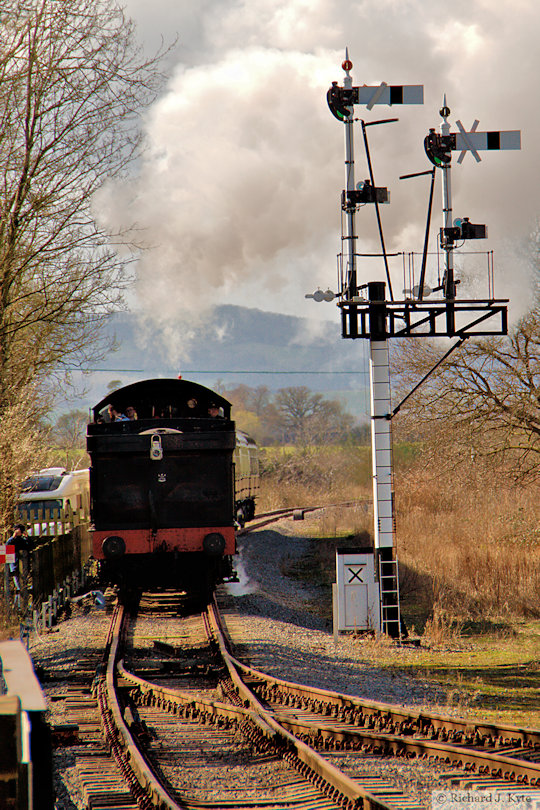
(72, 84)
(307, 417)
(259, 399)
(68, 435)
(485, 398)
(23, 447)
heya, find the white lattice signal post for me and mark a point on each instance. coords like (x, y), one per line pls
(367, 312)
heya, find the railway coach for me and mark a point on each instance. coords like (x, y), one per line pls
(54, 504)
(51, 496)
(164, 501)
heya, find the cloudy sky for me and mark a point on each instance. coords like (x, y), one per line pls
(240, 187)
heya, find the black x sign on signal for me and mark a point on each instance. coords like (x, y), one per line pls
(355, 573)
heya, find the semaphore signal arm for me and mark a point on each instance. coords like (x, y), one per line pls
(365, 310)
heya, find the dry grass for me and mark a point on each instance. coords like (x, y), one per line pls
(313, 476)
(9, 627)
(441, 629)
(475, 545)
(468, 545)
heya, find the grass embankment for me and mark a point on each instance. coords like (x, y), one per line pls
(489, 668)
(469, 553)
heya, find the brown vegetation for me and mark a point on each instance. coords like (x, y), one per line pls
(310, 476)
(22, 448)
(472, 541)
(468, 543)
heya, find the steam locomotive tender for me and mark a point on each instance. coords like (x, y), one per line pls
(162, 487)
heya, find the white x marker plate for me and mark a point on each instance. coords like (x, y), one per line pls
(473, 141)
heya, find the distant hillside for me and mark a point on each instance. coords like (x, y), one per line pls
(241, 345)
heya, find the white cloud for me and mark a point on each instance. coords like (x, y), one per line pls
(239, 192)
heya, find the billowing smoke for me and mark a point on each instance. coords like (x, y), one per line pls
(233, 187)
(238, 194)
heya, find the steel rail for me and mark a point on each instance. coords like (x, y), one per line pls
(496, 764)
(472, 760)
(273, 518)
(314, 734)
(266, 518)
(288, 509)
(324, 701)
(177, 701)
(259, 725)
(312, 765)
(137, 771)
(296, 739)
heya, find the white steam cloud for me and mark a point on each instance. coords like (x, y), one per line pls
(238, 194)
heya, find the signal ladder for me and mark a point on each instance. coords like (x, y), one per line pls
(390, 607)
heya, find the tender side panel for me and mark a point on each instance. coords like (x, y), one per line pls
(246, 459)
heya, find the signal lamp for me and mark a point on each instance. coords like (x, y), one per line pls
(439, 148)
(471, 231)
(338, 99)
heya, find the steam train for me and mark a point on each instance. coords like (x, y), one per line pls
(168, 486)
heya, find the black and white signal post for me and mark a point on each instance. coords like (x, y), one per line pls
(367, 312)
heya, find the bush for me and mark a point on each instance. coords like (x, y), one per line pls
(314, 475)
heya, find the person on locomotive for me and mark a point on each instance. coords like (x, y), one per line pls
(131, 413)
(116, 416)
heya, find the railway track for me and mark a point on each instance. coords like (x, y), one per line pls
(177, 706)
(293, 733)
(297, 512)
(293, 775)
(331, 721)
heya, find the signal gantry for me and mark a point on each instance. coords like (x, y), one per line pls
(366, 312)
